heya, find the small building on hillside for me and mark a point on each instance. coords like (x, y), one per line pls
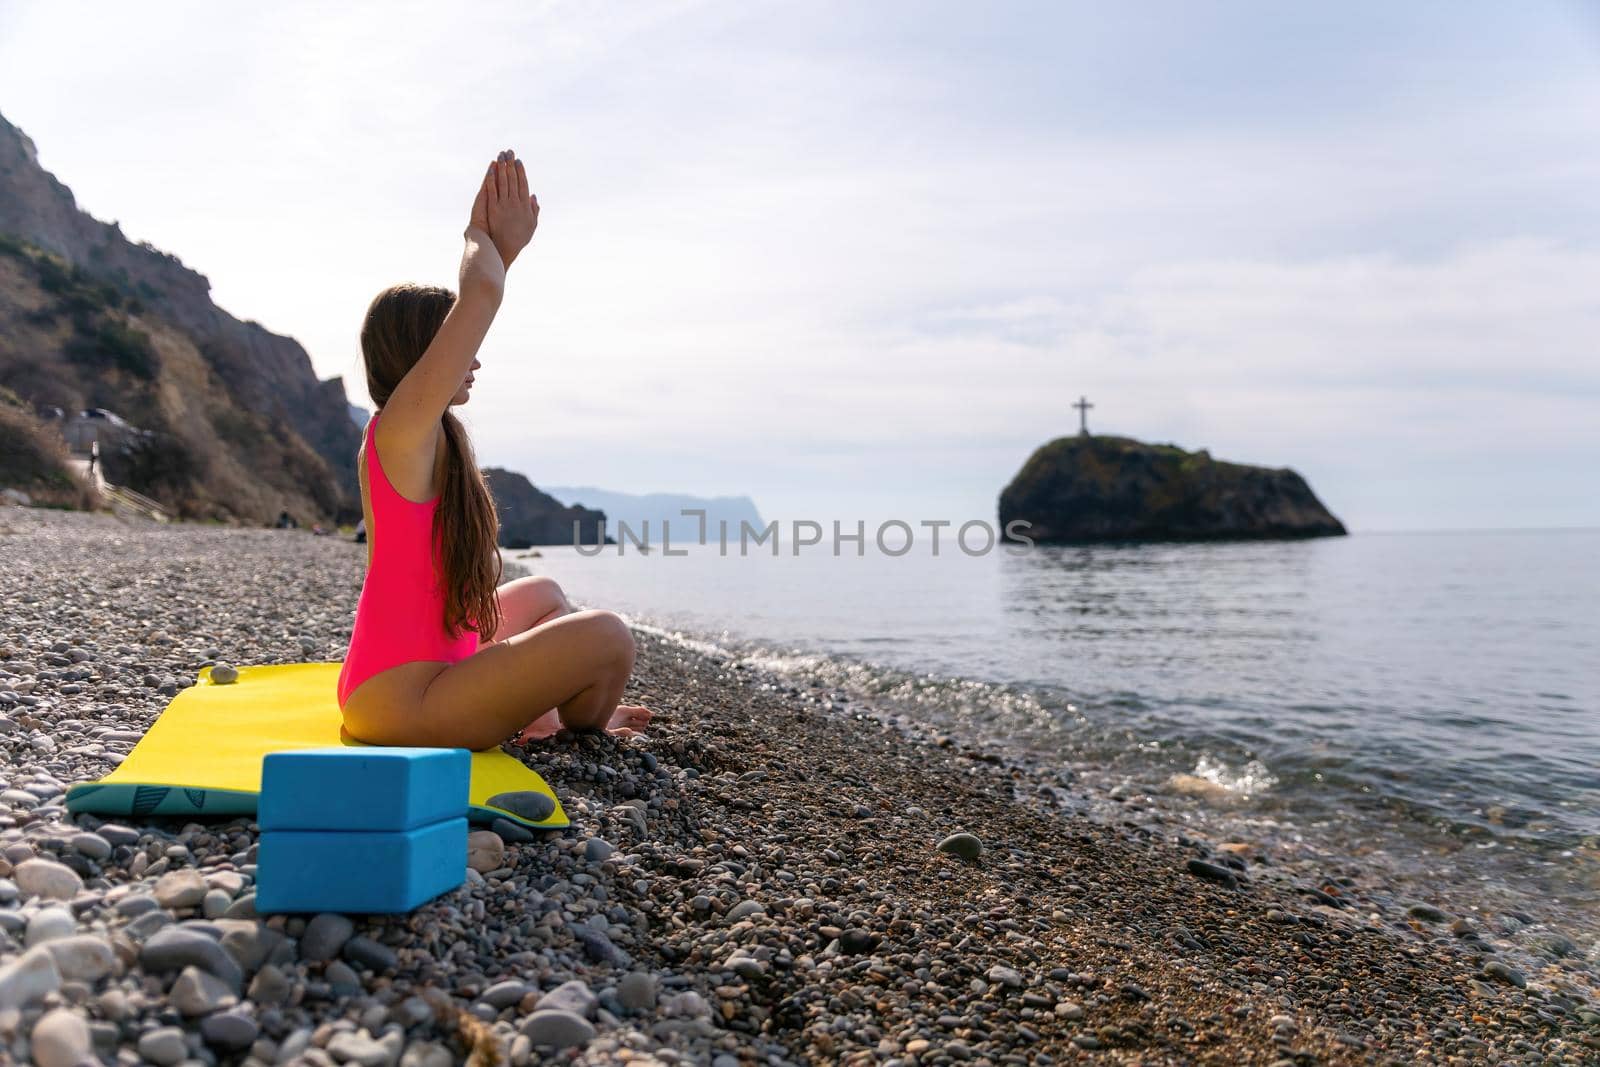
(83, 429)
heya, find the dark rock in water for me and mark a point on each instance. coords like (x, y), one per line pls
(530, 517)
(1427, 913)
(527, 804)
(1088, 488)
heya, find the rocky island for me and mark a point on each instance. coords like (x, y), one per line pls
(1089, 488)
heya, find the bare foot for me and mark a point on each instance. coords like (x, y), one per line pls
(629, 720)
(542, 727)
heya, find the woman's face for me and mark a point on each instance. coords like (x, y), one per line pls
(465, 392)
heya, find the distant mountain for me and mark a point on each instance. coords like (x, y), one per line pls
(229, 420)
(359, 415)
(637, 508)
(1092, 488)
(529, 517)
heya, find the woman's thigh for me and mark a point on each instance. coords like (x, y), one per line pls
(383, 706)
(482, 700)
(524, 601)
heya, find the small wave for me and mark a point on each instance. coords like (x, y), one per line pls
(683, 640)
(1213, 779)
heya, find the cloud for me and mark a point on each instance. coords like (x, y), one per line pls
(865, 256)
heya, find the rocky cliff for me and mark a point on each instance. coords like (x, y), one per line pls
(1092, 488)
(530, 517)
(240, 426)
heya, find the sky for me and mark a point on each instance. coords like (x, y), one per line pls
(856, 261)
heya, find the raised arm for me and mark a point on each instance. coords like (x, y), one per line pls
(412, 413)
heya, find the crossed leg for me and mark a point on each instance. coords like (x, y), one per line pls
(527, 603)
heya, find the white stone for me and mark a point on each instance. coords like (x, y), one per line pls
(164, 1047)
(82, 958)
(61, 1039)
(47, 878)
(485, 851)
(180, 889)
(50, 924)
(28, 978)
(198, 992)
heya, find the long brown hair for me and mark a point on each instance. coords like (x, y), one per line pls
(400, 324)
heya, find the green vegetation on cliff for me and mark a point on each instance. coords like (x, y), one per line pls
(33, 458)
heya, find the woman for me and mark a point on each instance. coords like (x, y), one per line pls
(439, 656)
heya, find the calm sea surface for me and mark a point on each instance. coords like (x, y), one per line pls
(1438, 693)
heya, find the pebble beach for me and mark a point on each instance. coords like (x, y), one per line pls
(773, 874)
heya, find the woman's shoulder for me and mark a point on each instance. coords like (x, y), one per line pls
(408, 465)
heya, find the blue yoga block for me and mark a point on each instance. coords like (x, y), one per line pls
(363, 871)
(362, 788)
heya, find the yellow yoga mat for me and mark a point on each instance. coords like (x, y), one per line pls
(203, 755)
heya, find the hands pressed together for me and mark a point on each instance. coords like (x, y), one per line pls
(504, 209)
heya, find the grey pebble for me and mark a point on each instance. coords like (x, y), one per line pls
(637, 991)
(599, 946)
(365, 952)
(1211, 872)
(965, 845)
(229, 1030)
(357, 1047)
(215, 903)
(136, 904)
(269, 987)
(163, 1046)
(573, 996)
(746, 908)
(502, 995)
(92, 845)
(325, 935)
(526, 804)
(344, 981)
(174, 948)
(557, 1028)
(512, 832)
(198, 992)
(1500, 972)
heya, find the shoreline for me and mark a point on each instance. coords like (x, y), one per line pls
(785, 902)
(1408, 863)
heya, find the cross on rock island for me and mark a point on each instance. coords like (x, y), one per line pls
(1083, 407)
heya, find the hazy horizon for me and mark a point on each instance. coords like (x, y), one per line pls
(857, 263)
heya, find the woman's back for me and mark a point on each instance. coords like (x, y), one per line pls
(400, 616)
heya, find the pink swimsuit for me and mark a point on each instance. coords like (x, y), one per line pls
(400, 616)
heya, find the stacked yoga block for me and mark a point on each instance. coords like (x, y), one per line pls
(361, 829)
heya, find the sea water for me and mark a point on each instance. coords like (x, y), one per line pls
(1430, 701)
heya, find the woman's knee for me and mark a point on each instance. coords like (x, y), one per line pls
(540, 593)
(549, 590)
(613, 633)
